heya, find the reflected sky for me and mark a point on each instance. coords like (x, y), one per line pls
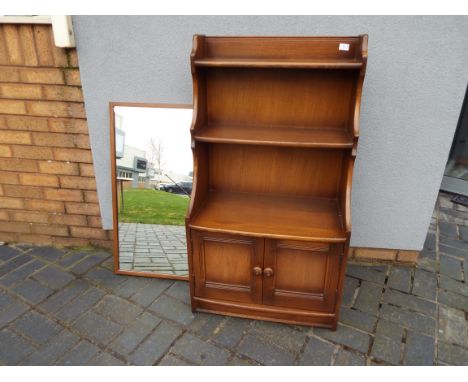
(168, 126)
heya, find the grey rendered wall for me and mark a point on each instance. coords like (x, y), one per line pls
(416, 78)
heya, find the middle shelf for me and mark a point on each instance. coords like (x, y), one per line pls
(295, 218)
(327, 137)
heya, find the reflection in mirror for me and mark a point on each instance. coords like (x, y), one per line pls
(153, 180)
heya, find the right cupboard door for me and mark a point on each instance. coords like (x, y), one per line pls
(301, 275)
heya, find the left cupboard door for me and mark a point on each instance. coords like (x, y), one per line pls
(228, 267)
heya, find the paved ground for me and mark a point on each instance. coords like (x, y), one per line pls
(153, 248)
(68, 308)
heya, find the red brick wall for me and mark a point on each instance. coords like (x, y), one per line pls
(47, 185)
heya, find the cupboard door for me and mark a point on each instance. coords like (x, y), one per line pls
(228, 267)
(302, 275)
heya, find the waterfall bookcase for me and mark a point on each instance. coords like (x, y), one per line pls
(274, 137)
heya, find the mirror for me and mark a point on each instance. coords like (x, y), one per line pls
(152, 168)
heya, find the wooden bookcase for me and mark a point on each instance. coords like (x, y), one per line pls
(274, 137)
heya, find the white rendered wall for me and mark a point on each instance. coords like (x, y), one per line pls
(416, 78)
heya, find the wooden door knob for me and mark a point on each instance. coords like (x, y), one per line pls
(268, 272)
(257, 271)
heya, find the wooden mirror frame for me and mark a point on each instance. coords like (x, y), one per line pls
(113, 158)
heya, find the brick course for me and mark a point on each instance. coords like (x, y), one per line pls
(47, 185)
(383, 255)
(62, 168)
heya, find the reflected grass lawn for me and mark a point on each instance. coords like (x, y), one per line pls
(153, 207)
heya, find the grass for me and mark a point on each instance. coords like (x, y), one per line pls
(153, 207)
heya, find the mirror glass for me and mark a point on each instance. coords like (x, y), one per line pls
(153, 179)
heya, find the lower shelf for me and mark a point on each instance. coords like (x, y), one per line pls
(296, 218)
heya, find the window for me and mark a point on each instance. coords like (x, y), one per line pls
(124, 174)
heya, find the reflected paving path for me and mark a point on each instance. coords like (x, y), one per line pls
(153, 248)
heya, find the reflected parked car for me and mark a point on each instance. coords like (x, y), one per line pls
(177, 188)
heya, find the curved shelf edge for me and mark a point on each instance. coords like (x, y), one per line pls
(269, 236)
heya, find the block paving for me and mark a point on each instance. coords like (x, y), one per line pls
(66, 307)
(153, 248)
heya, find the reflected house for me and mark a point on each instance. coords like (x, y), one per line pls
(132, 165)
(132, 168)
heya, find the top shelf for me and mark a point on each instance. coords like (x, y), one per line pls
(278, 63)
(339, 52)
